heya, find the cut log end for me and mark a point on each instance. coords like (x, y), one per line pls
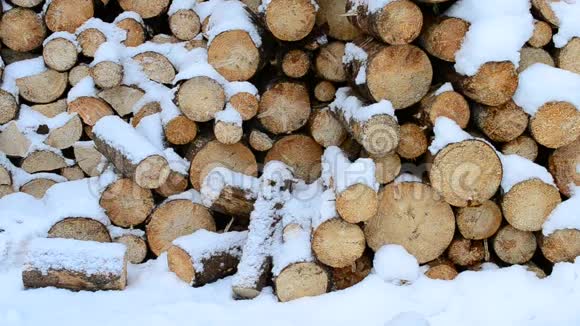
(556, 124)
(299, 152)
(413, 141)
(514, 246)
(45, 87)
(227, 133)
(107, 74)
(152, 172)
(37, 187)
(135, 32)
(357, 203)
(157, 67)
(296, 63)
(136, 247)
(479, 222)
(68, 15)
(345, 277)
(126, 204)
(284, 108)
(324, 91)
(146, 9)
(542, 34)
(246, 104)
(563, 165)
(503, 123)
(234, 55)
(449, 104)
(523, 146)
(200, 98)
(442, 272)
(568, 57)
(180, 130)
(494, 84)
(290, 20)
(260, 141)
(326, 129)
(80, 228)
(337, 243)
(60, 54)
(443, 38)
(89, 40)
(329, 64)
(22, 29)
(561, 246)
(301, 280)
(465, 252)
(185, 24)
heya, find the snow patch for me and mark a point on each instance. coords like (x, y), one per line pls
(392, 263)
(568, 13)
(229, 116)
(565, 216)
(446, 132)
(517, 169)
(352, 108)
(447, 87)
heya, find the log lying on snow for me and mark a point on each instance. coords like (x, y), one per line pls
(204, 257)
(134, 240)
(412, 215)
(256, 261)
(176, 218)
(354, 184)
(397, 22)
(290, 20)
(131, 153)
(401, 74)
(126, 203)
(229, 192)
(75, 265)
(80, 228)
(374, 126)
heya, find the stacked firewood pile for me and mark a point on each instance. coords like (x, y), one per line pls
(285, 141)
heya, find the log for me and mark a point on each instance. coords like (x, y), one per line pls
(346, 277)
(295, 63)
(332, 13)
(145, 9)
(8, 107)
(13, 142)
(136, 33)
(180, 130)
(337, 243)
(26, 3)
(530, 56)
(5, 176)
(442, 36)
(60, 54)
(136, 247)
(90, 160)
(90, 39)
(387, 167)
(228, 126)
(68, 15)
(156, 66)
(5, 190)
(75, 265)
(494, 84)
(299, 152)
(302, 279)
(260, 141)
(520, 213)
(401, 74)
(42, 160)
(122, 98)
(479, 222)
(465, 252)
(45, 87)
(523, 146)
(244, 99)
(425, 231)
(544, 9)
(397, 22)
(466, 173)
(373, 126)
(555, 124)
(77, 73)
(37, 187)
(324, 91)
(80, 228)
(176, 183)
(256, 261)
(107, 74)
(205, 257)
(184, 24)
(284, 108)
(444, 272)
(542, 34)
(563, 165)
(126, 204)
(236, 157)
(560, 246)
(502, 123)
(131, 153)
(567, 57)
(290, 20)
(51, 110)
(229, 192)
(444, 103)
(514, 246)
(22, 29)
(66, 135)
(413, 141)
(174, 219)
(72, 173)
(328, 62)
(325, 128)
(200, 98)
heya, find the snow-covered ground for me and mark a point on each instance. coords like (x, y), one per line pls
(155, 296)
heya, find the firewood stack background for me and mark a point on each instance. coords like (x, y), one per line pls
(281, 142)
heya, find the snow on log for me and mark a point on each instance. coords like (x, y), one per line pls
(133, 239)
(301, 153)
(354, 184)
(560, 238)
(401, 74)
(131, 153)
(230, 192)
(75, 265)
(465, 171)
(204, 257)
(393, 22)
(373, 126)
(256, 261)
(548, 95)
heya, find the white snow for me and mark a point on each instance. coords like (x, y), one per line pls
(21, 177)
(117, 232)
(446, 132)
(565, 216)
(112, 32)
(87, 257)
(407, 177)
(517, 169)
(123, 137)
(85, 87)
(177, 5)
(128, 15)
(151, 128)
(192, 195)
(294, 247)
(498, 31)
(231, 15)
(341, 173)
(64, 35)
(447, 87)
(233, 88)
(229, 116)
(354, 53)
(264, 6)
(392, 263)
(176, 162)
(219, 178)
(352, 108)
(203, 244)
(373, 6)
(21, 69)
(540, 84)
(408, 319)
(569, 23)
